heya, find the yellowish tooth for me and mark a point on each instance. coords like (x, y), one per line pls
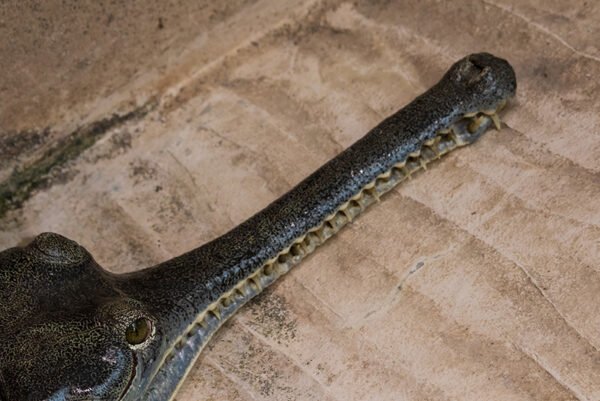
(496, 119)
(216, 312)
(469, 115)
(373, 192)
(255, 282)
(475, 124)
(268, 270)
(347, 214)
(501, 105)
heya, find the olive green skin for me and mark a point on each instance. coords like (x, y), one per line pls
(63, 318)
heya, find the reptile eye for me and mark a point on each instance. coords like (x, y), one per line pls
(138, 331)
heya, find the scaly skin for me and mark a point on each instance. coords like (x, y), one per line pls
(70, 330)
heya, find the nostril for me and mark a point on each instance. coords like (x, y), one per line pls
(481, 61)
(481, 72)
(473, 69)
(477, 64)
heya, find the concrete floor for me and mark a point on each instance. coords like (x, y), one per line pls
(477, 280)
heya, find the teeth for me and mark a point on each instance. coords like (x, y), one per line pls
(501, 105)
(255, 284)
(373, 192)
(475, 124)
(268, 269)
(496, 119)
(347, 214)
(445, 140)
(216, 313)
(226, 302)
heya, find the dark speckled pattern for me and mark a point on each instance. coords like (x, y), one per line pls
(63, 318)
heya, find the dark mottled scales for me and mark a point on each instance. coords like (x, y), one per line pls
(63, 319)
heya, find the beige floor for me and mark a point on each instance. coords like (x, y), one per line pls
(477, 280)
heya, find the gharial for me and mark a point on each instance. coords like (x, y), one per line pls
(70, 330)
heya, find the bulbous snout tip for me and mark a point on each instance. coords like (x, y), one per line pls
(482, 80)
(488, 71)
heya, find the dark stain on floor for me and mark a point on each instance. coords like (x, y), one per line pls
(49, 169)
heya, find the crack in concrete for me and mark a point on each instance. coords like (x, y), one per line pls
(542, 28)
(551, 372)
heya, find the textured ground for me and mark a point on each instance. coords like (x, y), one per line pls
(478, 280)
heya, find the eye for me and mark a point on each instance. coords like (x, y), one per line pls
(138, 331)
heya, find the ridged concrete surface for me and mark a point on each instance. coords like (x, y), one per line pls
(477, 280)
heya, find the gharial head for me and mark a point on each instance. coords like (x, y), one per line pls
(64, 320)
(69, 330)
(72, 331)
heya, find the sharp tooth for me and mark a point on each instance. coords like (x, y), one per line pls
(216, 312)
(268, 270)
(347, 214)
(472, 114)
(255, 282)
(501, 105)
(373, 192)
(496, 119)
(475, 124)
